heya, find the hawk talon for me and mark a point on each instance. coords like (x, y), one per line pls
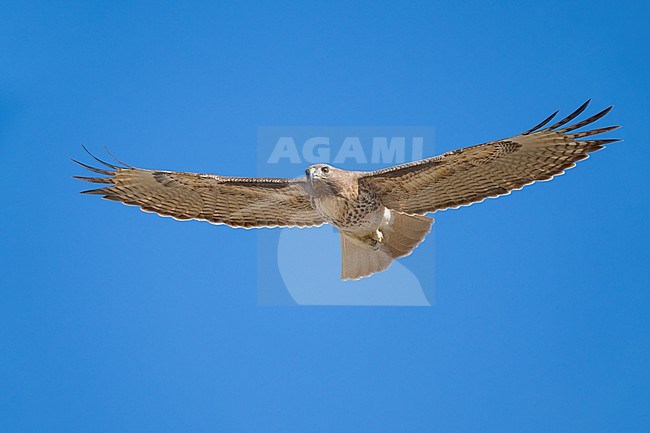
(374, 244)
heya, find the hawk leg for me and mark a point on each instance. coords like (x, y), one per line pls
(374, 239)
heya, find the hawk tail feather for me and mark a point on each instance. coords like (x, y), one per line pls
(362, 257)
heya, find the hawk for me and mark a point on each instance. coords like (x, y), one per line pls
(380, 215)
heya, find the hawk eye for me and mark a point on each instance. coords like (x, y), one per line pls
(325, 170)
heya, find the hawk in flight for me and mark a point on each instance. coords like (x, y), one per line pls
(380, 214)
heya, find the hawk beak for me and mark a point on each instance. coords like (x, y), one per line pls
(310, 173)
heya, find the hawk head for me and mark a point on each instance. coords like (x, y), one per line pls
(324, 179)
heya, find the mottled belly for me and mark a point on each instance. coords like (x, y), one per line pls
(350, 215)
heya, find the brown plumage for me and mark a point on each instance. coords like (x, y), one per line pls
(380, 214)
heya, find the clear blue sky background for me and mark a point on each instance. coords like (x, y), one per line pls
(112, 320)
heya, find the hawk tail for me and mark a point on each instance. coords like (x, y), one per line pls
(363, 257)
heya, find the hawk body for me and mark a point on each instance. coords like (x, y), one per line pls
(371, 234)
(380, 214)
(340, 199)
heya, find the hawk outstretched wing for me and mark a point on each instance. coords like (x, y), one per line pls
(235, 201)
(472, 174)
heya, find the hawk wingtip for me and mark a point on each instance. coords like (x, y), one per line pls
(97, 191)
(542, 123)
(115, 158)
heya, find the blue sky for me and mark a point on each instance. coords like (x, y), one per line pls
(115, 320)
